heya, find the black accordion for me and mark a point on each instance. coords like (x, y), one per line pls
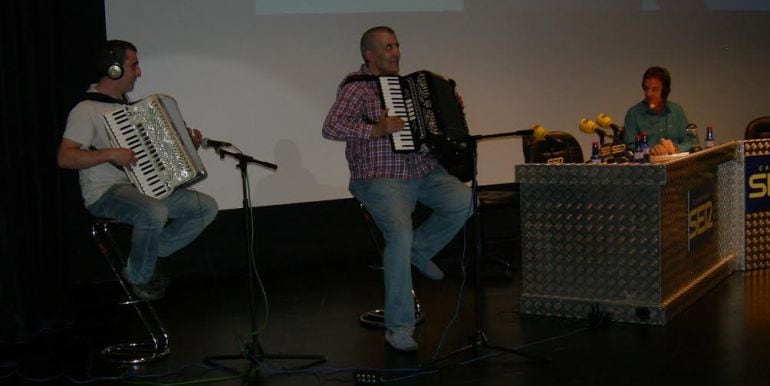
(433, 119)
(427, 104)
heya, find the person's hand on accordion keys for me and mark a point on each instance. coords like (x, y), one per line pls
(122, 157)
(386, 125)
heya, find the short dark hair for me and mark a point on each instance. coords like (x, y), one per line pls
(368, 37)
(110, 52)
(660, 73)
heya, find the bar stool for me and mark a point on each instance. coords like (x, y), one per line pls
(491, 201)
(376, 317)
(129, 352)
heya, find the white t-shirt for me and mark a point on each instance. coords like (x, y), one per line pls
(86, 126)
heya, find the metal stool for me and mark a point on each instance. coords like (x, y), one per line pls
(130, 352)
(376, 317)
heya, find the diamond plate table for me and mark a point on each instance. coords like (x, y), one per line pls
(639, 242)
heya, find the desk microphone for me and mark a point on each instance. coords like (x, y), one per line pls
(539, 133)
(206, 142)
(590, 127)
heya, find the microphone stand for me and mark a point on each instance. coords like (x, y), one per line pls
(253, 351)
(602, 138)
(479, 340)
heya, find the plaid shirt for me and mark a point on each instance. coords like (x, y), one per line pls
(351, 119)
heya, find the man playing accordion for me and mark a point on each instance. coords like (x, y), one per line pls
(160, 227)
(389, 184)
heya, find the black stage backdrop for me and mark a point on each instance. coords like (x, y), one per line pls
(45, 49)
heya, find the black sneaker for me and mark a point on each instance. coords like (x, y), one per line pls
(143, 291)
(159, 280)
(147, 292)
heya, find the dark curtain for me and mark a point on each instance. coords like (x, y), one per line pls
(45, 51)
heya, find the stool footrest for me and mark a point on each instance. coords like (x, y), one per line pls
(135, 352)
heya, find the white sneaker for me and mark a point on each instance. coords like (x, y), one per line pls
(401, 341)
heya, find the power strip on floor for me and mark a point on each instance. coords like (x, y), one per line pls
(367, 377)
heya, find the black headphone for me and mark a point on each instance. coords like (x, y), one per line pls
(110, 60)
(114, 68)
(664, 76)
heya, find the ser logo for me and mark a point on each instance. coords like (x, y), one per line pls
(701, 219)
(759, 185)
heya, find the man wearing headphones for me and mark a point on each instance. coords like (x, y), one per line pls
(664, 121)
(160, 227)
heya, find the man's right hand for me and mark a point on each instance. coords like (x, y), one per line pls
(72, 156)
(122, 157)
(386, 125)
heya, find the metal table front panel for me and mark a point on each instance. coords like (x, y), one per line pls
(614, 238)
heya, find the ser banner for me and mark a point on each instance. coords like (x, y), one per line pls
(757, 183)
(701, 219)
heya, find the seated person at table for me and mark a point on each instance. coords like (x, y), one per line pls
(664, 121)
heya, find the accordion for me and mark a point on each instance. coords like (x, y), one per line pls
(433, 120)
(428, 105)
(154, 130)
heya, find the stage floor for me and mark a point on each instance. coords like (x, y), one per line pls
(722, 339)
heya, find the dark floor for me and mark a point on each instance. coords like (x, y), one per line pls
(722, 339)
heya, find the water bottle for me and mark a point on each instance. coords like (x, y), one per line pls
(638, 152)
(709, 137)
(645, 148)
(595, 157)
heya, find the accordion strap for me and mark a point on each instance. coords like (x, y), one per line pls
(360, 78)
(99, 97)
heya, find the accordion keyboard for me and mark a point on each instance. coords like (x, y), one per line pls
(145, 175)
(393, 97)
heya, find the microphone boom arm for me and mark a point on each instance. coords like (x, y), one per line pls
(245, 158)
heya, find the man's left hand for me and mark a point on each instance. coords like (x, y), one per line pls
(664, 147)
(196, 137)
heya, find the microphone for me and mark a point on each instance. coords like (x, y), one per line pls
(605, 121)
(590, 127)
(539, 133)
(207, 142)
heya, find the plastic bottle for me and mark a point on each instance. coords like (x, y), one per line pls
(709, 137)
(595, 157)
(638, 150)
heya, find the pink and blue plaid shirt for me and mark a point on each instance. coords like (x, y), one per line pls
(352, 118)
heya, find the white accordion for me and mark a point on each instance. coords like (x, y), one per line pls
(154, 130)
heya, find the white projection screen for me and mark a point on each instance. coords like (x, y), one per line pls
(263, 74)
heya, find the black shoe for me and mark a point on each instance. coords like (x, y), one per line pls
(147, 292)
(143, 291)
(159, 280)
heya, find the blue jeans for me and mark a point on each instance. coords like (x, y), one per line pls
(160, 227)
(391, 203)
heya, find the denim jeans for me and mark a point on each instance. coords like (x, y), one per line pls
(160, 227)
(391, 203)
